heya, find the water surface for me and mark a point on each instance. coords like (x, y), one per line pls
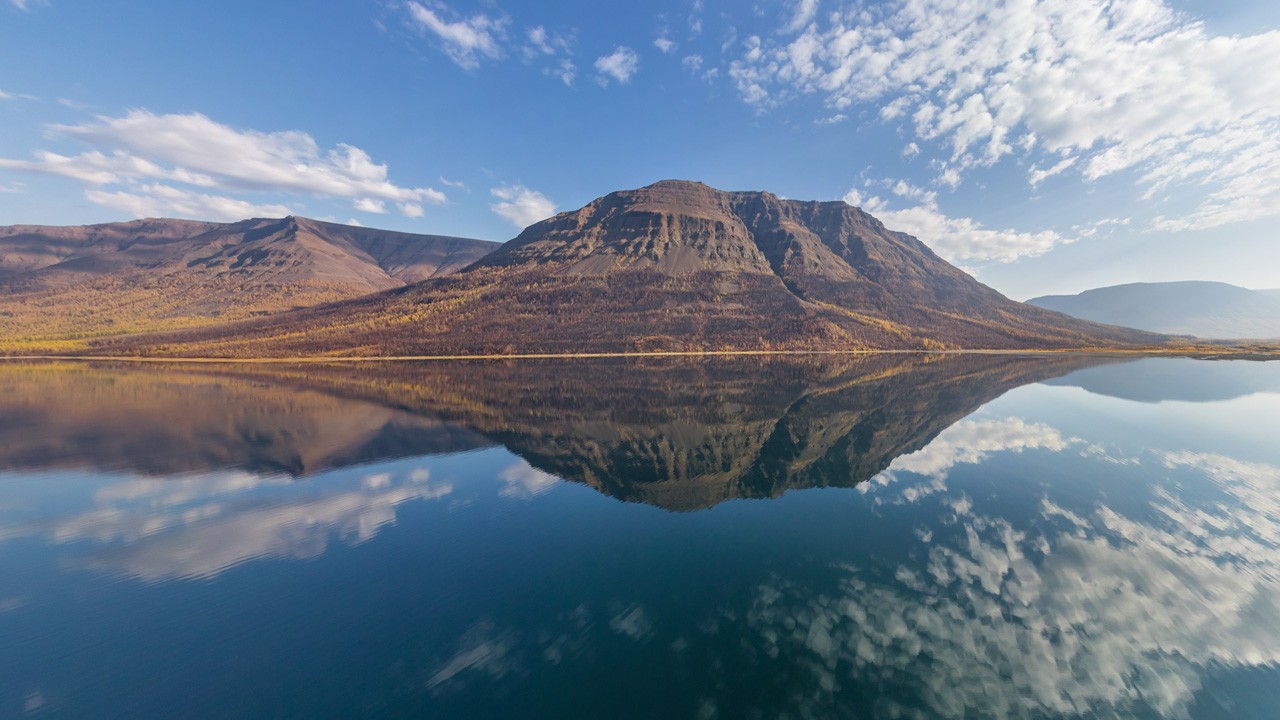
(879, 537)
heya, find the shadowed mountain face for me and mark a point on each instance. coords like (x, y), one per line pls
(680, 435)
(1203, 309)
(62, 282)
(673, 266)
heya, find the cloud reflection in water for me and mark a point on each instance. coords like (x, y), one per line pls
(201, 525)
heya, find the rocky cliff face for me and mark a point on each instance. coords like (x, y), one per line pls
(676, 266)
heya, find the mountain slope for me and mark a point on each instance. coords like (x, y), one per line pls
(1203, 309)
(59, 283)
(675, 266)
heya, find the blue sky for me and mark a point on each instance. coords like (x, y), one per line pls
(1043, 145)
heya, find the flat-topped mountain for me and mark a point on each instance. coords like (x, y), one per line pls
(675, 266)
(1193, 307)
(59, 283)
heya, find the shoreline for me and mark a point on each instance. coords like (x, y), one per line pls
(1224, 353)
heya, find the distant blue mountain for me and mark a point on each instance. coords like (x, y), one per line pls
(1202, 309)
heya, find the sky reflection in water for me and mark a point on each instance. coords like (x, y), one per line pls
(982, 537)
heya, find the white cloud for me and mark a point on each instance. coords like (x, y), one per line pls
(666, 45)
(550, 47)
(167, 201)
(911, 150)
(96, 168)
(370, 205)
(1038, 175)
(620, 65)
(692, 62)
(564, 71)
(465, 40)
(1103, 226)
(1119, 85)
(195, 150)
(16, 96)
(544, 43)
(956, 239)
(453, 183)
(522, 206)
(803, 12)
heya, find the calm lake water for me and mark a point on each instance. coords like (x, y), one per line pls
(882, 537)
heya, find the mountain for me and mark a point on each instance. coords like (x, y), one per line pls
(61, 283)
(1203, 309)
(675, 266)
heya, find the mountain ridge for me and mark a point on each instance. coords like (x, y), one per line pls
(62, 283)
(1189, 307)
(673, 266)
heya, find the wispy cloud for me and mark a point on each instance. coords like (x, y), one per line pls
(555, 49)
(957, 239)
(521, 206)
(16, 96)
(166, 201)
(803, 12)
(465, 40)
(1099, 86)
(142, 147)
(619, 66)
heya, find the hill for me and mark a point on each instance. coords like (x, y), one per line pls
(675, 266)
(59, 285)
(1203, 309)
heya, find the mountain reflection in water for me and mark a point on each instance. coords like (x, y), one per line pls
(1039, 536)
(677, 434)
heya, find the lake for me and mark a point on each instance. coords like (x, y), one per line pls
(885, 536)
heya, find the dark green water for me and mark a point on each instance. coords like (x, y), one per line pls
(897, 537)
